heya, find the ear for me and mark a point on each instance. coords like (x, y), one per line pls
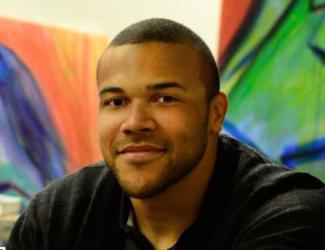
(218, 109)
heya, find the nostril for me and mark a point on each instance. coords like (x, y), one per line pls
(138, 126)
(139, 119)
(137, 132)
(138, 129)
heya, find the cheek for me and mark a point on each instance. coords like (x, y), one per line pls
(189, 127)
(170, 122)
(177, 127)
(107, 129)
(182, 118)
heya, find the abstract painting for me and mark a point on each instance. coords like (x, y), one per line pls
(272, 58)
(48, 104)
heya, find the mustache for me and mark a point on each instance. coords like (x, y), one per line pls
(140, 139)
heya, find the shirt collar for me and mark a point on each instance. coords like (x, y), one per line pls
(210, 218)
(126, 218)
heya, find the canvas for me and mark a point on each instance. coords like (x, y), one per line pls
(272, 56)
(48, 104)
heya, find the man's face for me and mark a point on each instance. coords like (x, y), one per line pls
(153, 117)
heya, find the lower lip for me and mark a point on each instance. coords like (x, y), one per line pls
(141, 155)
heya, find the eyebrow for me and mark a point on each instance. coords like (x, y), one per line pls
(152, 87)
(111, 90)
(165, 85)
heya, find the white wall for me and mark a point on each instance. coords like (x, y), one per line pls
(108, 17)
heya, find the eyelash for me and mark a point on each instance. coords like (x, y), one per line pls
(108, 102)
(124, 101)
(173, 98)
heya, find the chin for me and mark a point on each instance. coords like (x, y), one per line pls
(141, 193)
(141, 189)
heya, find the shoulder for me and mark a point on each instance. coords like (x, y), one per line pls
(237, 152)
(285, 211)
(86, 178)
(269, 203)
(83, 181)
(253, 171)
(76, 190)
(71, 204)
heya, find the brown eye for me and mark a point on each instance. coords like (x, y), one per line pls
(115, 102)
(166, 99)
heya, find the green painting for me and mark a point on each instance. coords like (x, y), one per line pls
(273, 70)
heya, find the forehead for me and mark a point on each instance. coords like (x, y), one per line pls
(151, 61)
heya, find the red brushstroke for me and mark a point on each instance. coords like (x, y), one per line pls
(232, 15)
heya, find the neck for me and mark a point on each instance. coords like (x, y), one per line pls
(163, 218)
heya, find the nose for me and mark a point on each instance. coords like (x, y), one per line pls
(139, 120)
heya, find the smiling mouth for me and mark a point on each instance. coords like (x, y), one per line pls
(140, 152)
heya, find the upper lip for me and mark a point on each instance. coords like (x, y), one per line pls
(139, 148)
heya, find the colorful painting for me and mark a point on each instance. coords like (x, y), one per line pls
(272, 58)
(48, 104)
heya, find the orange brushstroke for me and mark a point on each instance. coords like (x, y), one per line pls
(64, 64)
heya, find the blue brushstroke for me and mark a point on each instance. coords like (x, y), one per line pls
(27, 134)
(299, 154)
(5, 186)
(232, 130)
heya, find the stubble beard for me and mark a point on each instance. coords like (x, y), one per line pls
(174, 170)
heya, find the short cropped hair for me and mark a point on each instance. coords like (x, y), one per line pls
(168, 31)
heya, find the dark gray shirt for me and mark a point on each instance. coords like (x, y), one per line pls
(251, 204)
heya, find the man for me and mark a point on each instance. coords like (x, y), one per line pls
(169, 180)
